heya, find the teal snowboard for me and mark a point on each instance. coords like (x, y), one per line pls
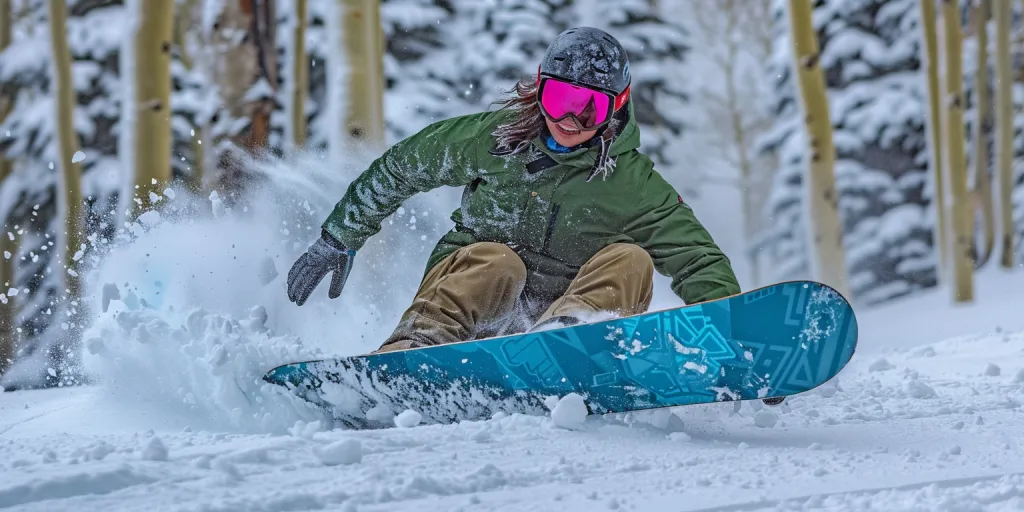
(775, 341)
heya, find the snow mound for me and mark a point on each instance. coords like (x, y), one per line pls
(155, 449)
(408, 418)
(765, 418)
(188, 306)
(208, 367)
(569, 412)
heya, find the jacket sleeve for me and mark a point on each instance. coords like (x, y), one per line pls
(442, 154)
(679, 244)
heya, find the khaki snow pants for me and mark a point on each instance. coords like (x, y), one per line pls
(474, 292)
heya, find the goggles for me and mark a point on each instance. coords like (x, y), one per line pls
(592, 108)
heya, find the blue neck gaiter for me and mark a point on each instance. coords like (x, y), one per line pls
(553, 145)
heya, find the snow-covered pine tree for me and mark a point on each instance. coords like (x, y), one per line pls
(317, 53)
(657, 52)
(30, 192)
(870, 52)
(487, 46)
(1018, 172)
(415, 31)
(484, 49)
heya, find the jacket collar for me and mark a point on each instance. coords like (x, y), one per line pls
(585, 156)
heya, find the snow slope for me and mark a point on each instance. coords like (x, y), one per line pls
(912, 425)
(191, 312)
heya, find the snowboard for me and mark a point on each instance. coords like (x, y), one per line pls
(772, 342)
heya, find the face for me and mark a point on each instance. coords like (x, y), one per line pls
(568, 132)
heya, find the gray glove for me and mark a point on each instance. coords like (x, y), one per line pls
(326, 255)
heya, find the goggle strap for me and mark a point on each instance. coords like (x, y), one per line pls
(621, 99)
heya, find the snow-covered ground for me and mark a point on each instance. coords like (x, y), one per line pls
(926, 416)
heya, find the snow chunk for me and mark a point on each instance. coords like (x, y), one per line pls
(918, 389)
(347, 451)
(150, 218)
(881, 365)
(100, 450)
(77, 157)
(110, 292)
(570, 412)
(765, 418)
(992, 370)
(155, 450)
(550, 402)
(1019, 376)
(408, 418)
(304, 430)
(216, 204)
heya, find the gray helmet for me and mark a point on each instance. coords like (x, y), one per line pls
(589, 57)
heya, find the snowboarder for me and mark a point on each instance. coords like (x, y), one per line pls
(561, 215)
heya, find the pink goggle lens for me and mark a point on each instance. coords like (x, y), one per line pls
(560, 99)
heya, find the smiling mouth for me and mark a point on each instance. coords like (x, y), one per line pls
(567, 130)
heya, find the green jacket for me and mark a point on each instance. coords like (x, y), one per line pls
(554, 219)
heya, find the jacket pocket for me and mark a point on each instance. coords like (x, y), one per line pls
(551, 226)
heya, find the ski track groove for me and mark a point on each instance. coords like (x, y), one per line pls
(946, 484)
(10, 426)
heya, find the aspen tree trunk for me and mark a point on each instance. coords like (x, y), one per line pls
(260, 14)
(364, 46)
(982, 193)
(960, 211)
(182, 23)
(152, 84)
(1004, 129)
(826, 230)
(6, 245)
(70, 203)
(931, 63)
(300, 76)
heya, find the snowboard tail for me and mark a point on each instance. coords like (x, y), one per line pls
(775, 341)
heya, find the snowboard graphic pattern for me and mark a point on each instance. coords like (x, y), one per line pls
(776, 341)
